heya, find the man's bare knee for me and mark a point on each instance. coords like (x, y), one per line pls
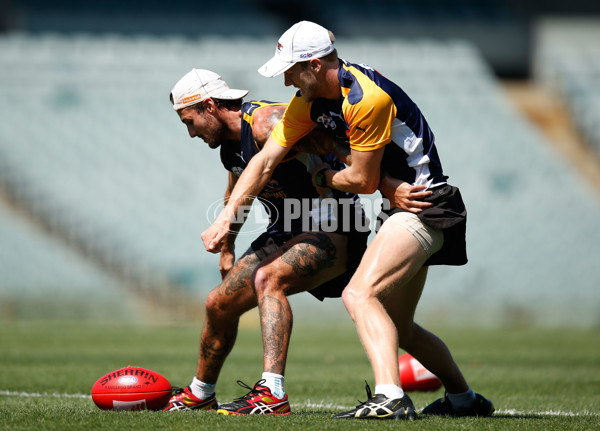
(220, 307)
(265, 281)
(352, 297)
(217, 305)
(213, 308)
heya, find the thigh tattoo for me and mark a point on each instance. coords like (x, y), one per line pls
(239, 276)
(311, 255)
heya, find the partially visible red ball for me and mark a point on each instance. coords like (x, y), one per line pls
(415, 377)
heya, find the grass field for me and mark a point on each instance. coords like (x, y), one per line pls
(538, 379)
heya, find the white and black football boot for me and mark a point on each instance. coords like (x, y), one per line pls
(381, 407)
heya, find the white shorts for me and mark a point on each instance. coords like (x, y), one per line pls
(431, 239)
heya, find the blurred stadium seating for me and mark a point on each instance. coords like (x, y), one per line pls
(92, 151)
(568, 62)
(35, 269)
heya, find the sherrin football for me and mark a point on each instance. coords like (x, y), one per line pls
(131, 388)
(415, 377)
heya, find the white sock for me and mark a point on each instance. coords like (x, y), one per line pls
(275, 383)
(202, 390)
(393, 392)
(462, 401)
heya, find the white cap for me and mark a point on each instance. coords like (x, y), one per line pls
(198, 84)
(303, 41)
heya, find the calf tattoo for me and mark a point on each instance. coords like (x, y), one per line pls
(215, 345)
(276, 322)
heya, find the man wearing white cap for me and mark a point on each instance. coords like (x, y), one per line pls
(386, 132)
(290, 257)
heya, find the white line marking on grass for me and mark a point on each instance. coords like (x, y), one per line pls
(310, 404)
(511, 412)
(508, 412)
(320, 405)
(43, 394)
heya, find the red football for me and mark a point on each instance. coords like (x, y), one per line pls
(131, 388)
(415, 377)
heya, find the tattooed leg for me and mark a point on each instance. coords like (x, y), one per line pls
(224, 306)
(301, 264)
(276, 323)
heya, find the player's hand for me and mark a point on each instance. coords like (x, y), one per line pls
(404, 195)
(214, 236)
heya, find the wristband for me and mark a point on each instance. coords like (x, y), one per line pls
(320, 179)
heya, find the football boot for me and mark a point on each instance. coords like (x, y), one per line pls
(258, 401)
(381, 407)
(184, 399)
(442, 407)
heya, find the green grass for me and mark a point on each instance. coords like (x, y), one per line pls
(538, 379)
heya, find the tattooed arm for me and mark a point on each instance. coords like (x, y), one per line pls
(264, 119)
(318, 141)
(321, 142)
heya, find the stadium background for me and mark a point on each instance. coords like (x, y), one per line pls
(103, 196)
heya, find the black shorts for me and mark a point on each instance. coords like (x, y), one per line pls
(268, 243)
(449, 214)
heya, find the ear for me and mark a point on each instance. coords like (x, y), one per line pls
(209, 105)
(315, 64)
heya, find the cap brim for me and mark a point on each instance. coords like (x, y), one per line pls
(274, 67)
(231, 94)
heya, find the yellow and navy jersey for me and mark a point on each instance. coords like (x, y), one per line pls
(291, 179)
(371, 113)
